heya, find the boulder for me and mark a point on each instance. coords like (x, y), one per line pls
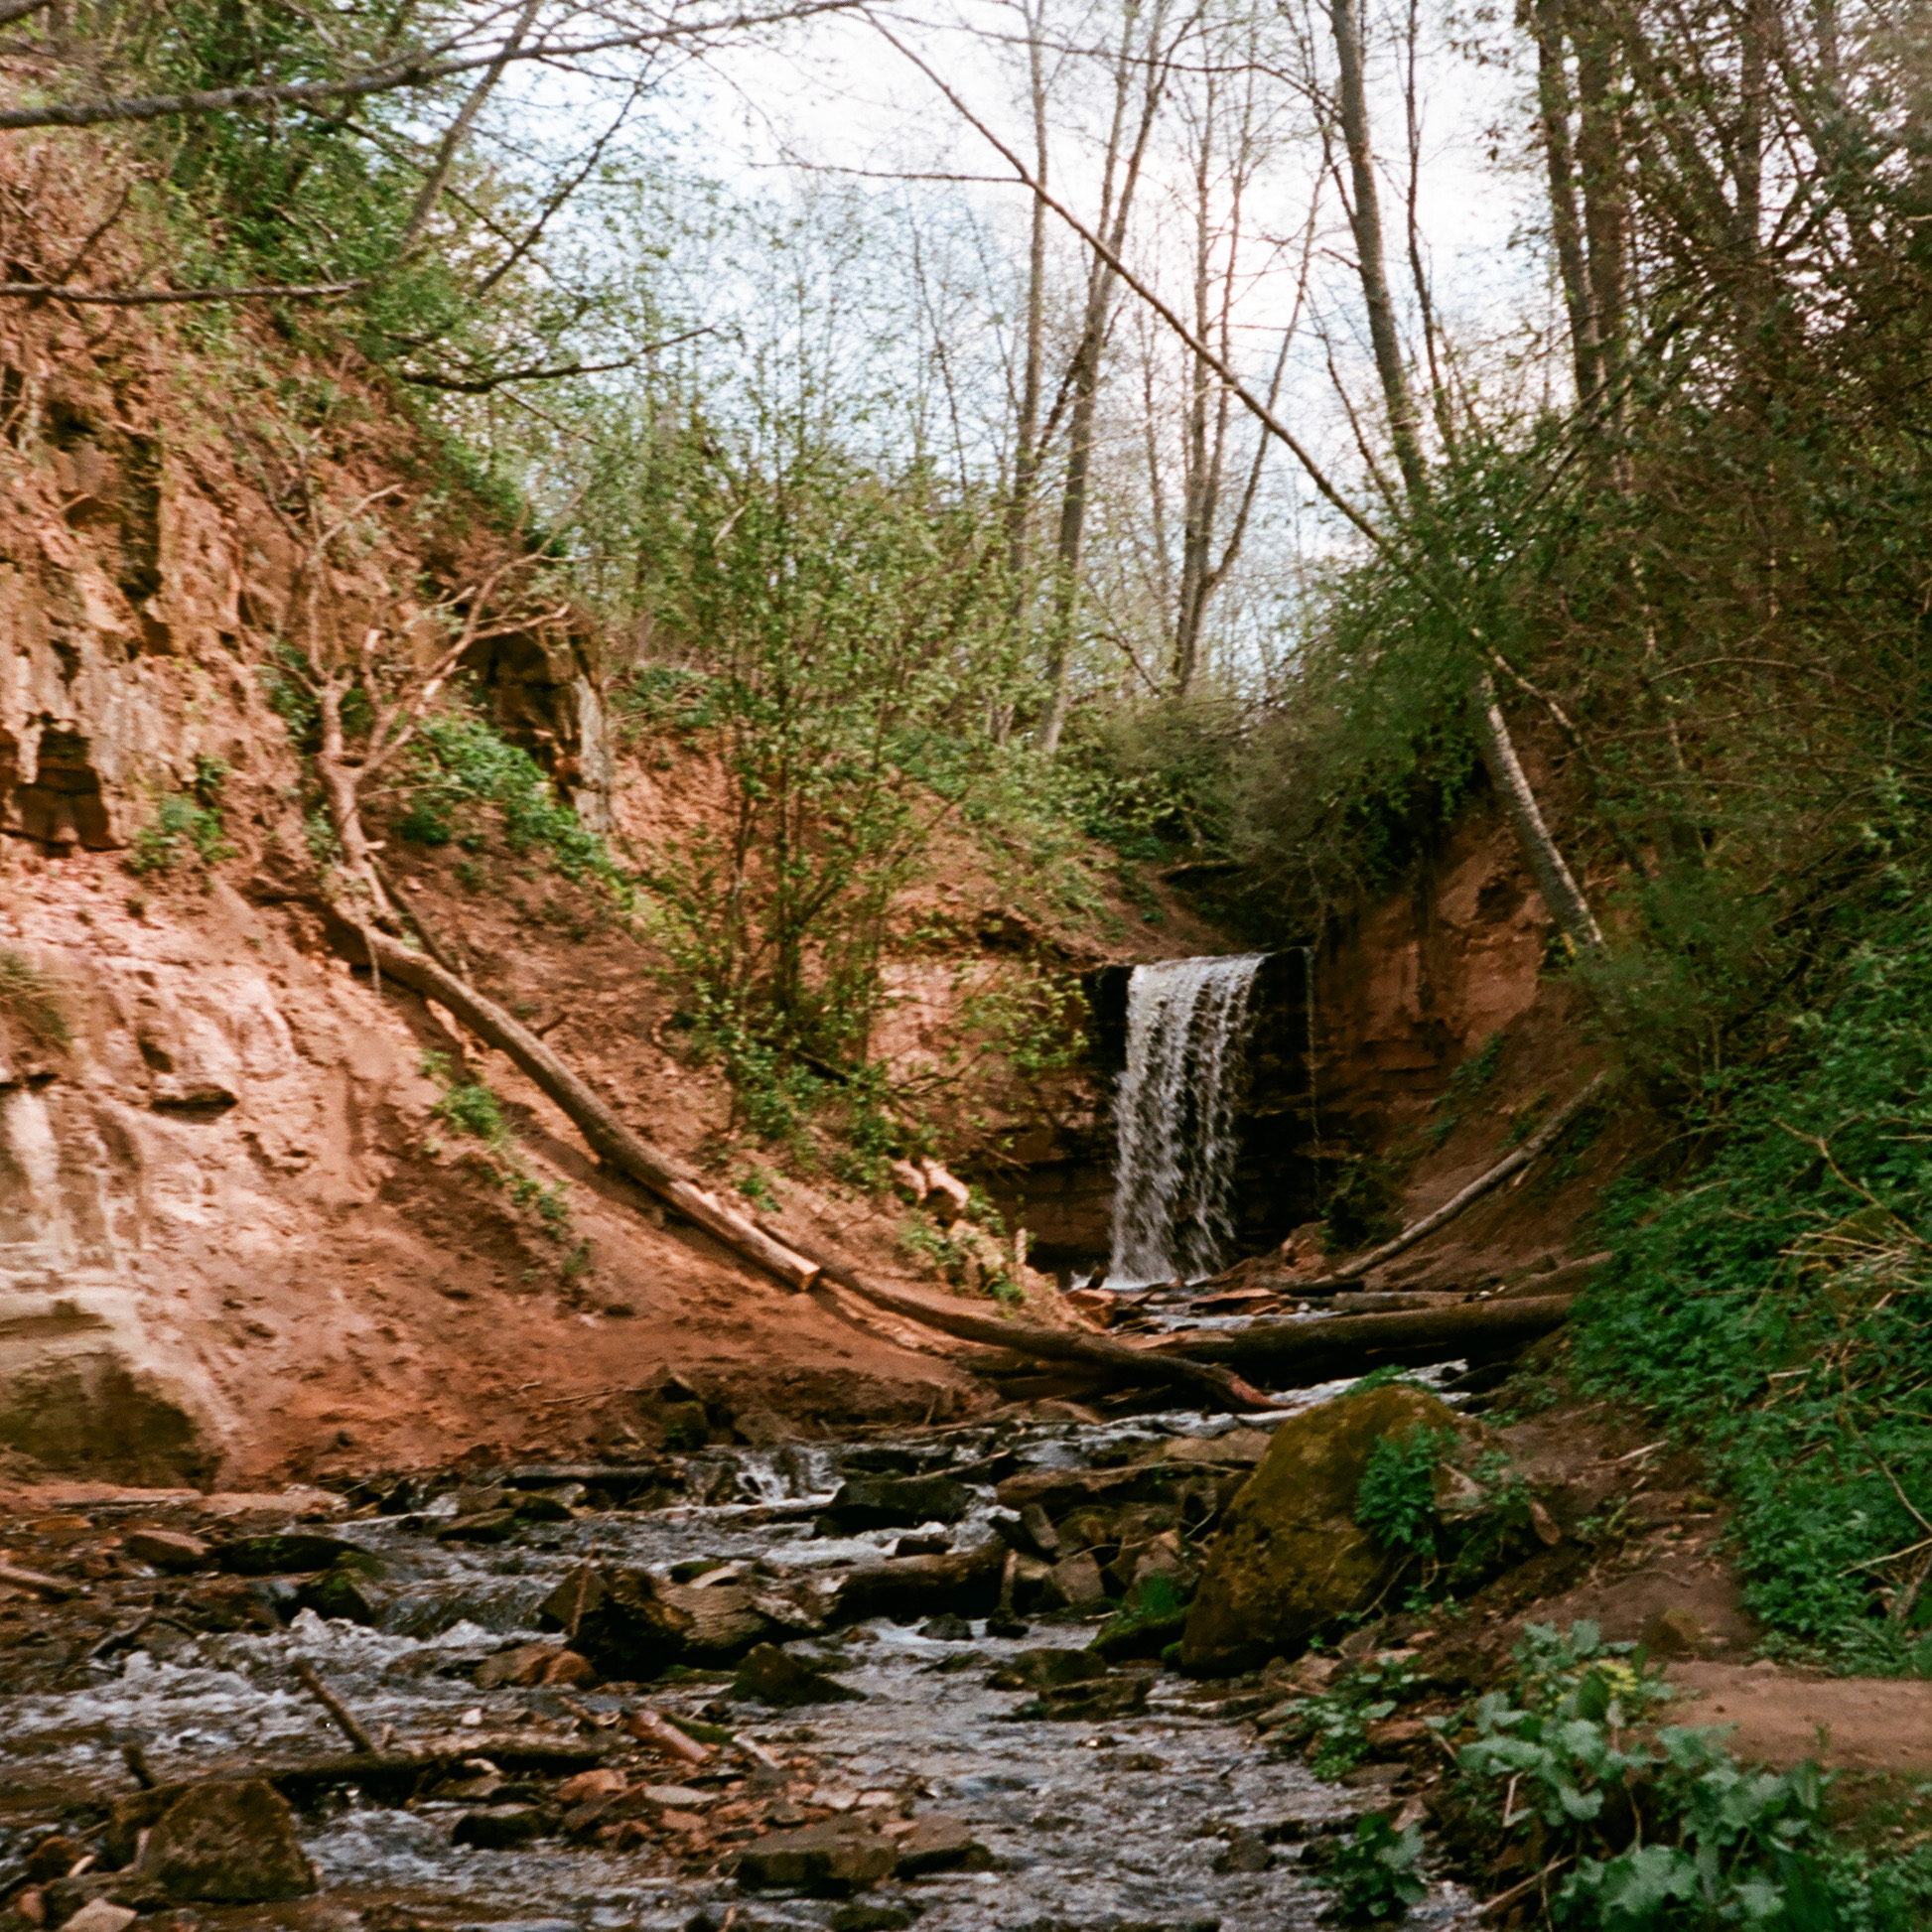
(908, 1589)
(927, 1845)
(1076, 1582)
(1046, 1669)
(785, 1682)
(891, 1502)
(287, 1552)
(1289, 1557)
(234, 1844)
(1088, 1703)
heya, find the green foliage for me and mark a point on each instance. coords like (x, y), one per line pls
(1330, 1728)
(1375, 1875)
(1396, 1500)
(1662, 1832)
(1772, 1310)
(184, 824)
(30, 998)
(473, 1109)
(462, 768)
(1465, 1083)
(1359, 1209)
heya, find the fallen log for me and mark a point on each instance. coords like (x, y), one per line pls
(609, 1139)
(1290, 1352)
(1419, 1230)
(965, 1581)
(1046, 1345)
(794, 1260)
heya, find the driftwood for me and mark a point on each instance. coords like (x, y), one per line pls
(1289, 1352)
(911, 1586)
(1512, 1162)
(344, 1718)
(16, 1577)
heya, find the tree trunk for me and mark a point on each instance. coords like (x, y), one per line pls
(1553, 111)
(1304, 1352)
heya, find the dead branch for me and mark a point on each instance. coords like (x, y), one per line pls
(346, 1720)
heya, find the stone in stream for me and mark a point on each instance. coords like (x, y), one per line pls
(908, 1589)
(946, 1628)
(1290, 1557)
(929, 1845)
(287, 1552)
(893, 1502)
(234, 1844)
(1047, 1669)
(631, 1624)
(775, 1677)
(1088, 1703)
(500, 1828)
(1075, 1581)
(831, 1859)
(171, 1551)
(101, 1915)
(534, 1663)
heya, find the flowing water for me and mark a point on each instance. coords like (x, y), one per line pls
(1187, 1028)
(1118, 1826)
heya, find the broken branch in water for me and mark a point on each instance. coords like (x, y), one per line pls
(344, 1718)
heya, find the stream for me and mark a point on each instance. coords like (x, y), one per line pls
(1174, 1819)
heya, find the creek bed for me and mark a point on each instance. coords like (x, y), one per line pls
(1091, 1826)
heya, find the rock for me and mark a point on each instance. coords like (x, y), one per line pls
(500, 1828)
(1673, 1633)
(287, 1552)
(927, 1845)
(1075, 1581)
(232, 1843)
(891, 1502)
(1289, 1557)
(534, 1663)
(629, 1624)
(484, 1526)
(170, 1550)
(906, 1589)
(344, 1590)
(100, 1916)
(1107, 1697)
(785, 1682)
(1040, 1529)
(603, 1782)
(1245, 1851)
(831, 1859)
(1047, 1668)
(861, 1916)
(947, 1628)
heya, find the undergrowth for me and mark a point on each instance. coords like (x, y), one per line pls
(1777, 1312)
(30, 998)
(472, 1109)
(186, 824)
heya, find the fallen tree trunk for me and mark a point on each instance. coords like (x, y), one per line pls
(795, 1261)
(609, 1139)
(1316, 1350)
(1512, 1162)
(1046, 1344)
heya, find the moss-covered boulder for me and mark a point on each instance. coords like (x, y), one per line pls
(1290, 1557)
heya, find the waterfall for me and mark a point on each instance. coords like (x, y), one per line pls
(1188, 1026)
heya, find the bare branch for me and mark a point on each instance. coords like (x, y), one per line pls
(150, 297)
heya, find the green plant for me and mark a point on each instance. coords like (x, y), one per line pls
(1651, 1832)
(472, 1109)
(185, 822)
(30, 998)
(1374, 1874)
(1396, 1499)
(1332, 1726)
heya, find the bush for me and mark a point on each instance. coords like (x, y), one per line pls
(1774, 1311)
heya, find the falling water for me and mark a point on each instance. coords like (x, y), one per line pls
(1188, 1026)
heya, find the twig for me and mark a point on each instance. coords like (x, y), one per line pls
(658, 1730)
(1503, 1898)
(344, 1718)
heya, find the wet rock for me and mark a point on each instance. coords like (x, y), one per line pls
(500, 1828)
(1001, 1623)
(172, 1551)
(947, 1628)
(1077, 1581)
(631, 1625)
(889, 1502)
(1245, 1851)
(929, 1845)
(863, 1916)
(1092, 1702)
(535, 1663)
(346, 1589)
(1057, 1492)
(232, 1843)
(1040, 1529)
(908, 1589)
(785, 1682)
(1047, 1669)
(1290, 1556)
(101, 1916)
(484, 1526)
(830, 1859)
(285, 1552)
(51, 1857)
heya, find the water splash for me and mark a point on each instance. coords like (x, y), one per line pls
(1187, 1027)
